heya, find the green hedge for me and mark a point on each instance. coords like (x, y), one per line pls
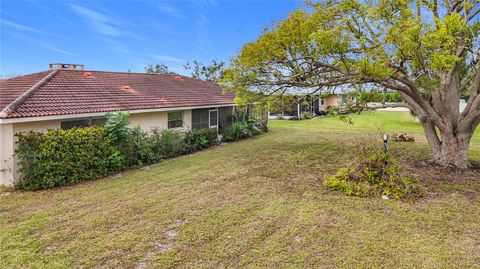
(62, 157)
(198, 139)
(65, 157)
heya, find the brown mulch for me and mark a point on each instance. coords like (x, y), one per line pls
(437, 178)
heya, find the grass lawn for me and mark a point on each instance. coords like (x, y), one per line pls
(255, 203)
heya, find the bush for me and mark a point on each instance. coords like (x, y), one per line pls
(240, 130)
(65, 157)
(236, 132)
(166, 143)
(138, 148)
(62, 157)
(117, 131)
(198, 139)
(374, 174)
(305, 116)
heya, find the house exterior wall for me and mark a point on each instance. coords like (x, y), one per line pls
(6, 155)
(315, 104)
(150, 120)
(8, 165)
(332, 100)
(38, 126)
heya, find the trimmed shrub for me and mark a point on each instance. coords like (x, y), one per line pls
(306, 116)
(166, 143)
(65, 157)
(375, 174)
(198, 139)
(138, 148)
(62, 157)
(236, 132)
(240, 130)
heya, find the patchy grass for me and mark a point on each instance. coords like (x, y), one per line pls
(255, 203)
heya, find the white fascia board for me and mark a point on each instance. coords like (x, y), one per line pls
(100, 114)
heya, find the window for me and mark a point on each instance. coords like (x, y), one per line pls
(218, 117)
(322, 102)
(74, 123)
(225, 117)
(175, 120)
(82, 123)
(200, 118)
(213, 118)
(98, 121)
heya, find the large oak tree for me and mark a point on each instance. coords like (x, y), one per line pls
(428, 50)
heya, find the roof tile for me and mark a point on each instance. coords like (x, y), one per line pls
(72, 92)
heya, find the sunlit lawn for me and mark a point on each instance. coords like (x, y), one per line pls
(254, 203)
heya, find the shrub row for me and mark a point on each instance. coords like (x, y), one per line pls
(65, 157)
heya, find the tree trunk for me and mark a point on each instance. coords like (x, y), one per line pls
(451, 148)
(454, 153)
(447, 133)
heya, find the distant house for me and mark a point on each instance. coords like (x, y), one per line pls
(316, 104)
(67, 96)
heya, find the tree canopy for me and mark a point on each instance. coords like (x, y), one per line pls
(212, 72)
(427, 50)
(158, 69)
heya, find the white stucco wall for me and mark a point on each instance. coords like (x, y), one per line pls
(147, 121)
(6, 155)
(330, 101)
(8, 164)
(38, 126)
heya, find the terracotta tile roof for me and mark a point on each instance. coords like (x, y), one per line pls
(61, 92)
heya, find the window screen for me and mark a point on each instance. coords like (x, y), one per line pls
(200, 118)
(175, 119)
(82, 123)
(74, 123)
(99, 121)
(225, 117)
(213, 118)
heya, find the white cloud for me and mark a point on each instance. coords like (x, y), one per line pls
(100, 22)
(21, 27)
(43, 44)
(168, 59)
(170, 11)
(202, 25)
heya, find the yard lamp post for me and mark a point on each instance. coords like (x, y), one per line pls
(385, 141)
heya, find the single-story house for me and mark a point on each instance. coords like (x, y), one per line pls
(66, 96)
(316, 104)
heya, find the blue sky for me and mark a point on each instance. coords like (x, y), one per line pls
(123, 35)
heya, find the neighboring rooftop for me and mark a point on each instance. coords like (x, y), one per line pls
(68, 90)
